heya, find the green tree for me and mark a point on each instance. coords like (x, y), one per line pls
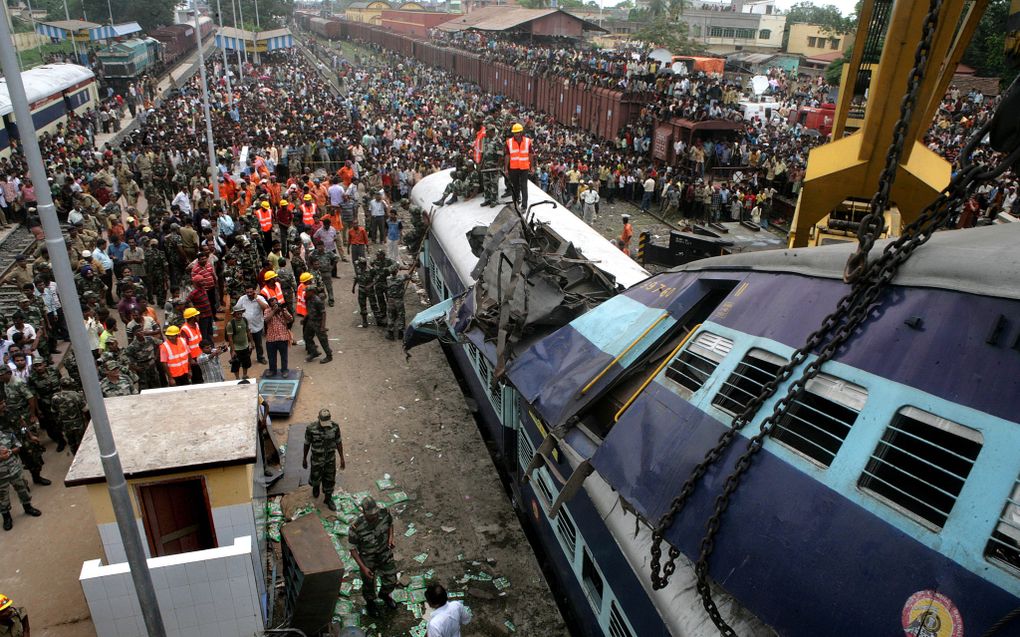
(828, 17)
(669, 34)
(986, 52)
(834, 72)
(272, 13)
(148, 14)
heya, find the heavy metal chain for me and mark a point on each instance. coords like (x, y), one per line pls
(873, 223)
(850, 312)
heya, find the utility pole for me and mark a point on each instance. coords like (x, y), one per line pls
(240, 66)
(258, 27)
(240, 10)
(74, 42)
(214, 172)
(226, 66)
(117, 485)
(109, 7)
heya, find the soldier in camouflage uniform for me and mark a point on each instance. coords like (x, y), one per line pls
(492, 164)
(297, 264)
(34, 311)
(234, 281)
(381, 269)
(71, 366)
(287, 285)
(156, 272)
(456, 188)
(88, 283)
(364, 282)
(322, 262)
(116, 384)
(11, 476)
(70, 409)
(248, 257)
(371, 539)
(176, 317)
(173, 245)
(24, 420)
(322, 437)
(314, 326)
(45, 382)
(141, 357)
(395, 318)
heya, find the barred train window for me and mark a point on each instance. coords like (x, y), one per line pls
(921, 464)
(692, 368)
(756, 369)
(1004, 544)
(819, 420)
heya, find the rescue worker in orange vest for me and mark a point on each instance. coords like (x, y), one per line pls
(518, 165)
(272, 289)
(192, 334)
(264, 212)
(309, 213)
(175, 357)
(301, 308)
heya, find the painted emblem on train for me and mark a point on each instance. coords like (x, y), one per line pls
(931, 614)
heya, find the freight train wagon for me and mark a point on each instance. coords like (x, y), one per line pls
(54, 91)
(179, 39)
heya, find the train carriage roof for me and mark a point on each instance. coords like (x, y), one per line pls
(982, 261)
(44, 81)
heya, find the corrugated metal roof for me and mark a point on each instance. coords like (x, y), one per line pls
(275, 33)
(71, 25)
(44, 81)
(497, 18)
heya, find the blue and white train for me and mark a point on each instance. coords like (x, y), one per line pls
(53, 91)
(886, 502)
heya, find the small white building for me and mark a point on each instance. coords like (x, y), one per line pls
(191, 459)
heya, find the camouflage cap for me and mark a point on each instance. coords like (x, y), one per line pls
(324, 414)
(67, 383)
(112, 365)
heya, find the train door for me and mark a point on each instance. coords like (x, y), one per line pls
(10, 127)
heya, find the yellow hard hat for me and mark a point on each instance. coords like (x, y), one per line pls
(191, 312)
(270, 275)
(265, 204)
(308, 197)
(306, 277)
(284, 202)
(517, 128)
(173, 330)
(5, 602)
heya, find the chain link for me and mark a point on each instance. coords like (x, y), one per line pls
(874, 222)
(869, 281)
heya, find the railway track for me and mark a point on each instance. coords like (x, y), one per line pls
(19, 241)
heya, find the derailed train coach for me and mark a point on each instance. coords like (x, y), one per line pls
(54, 91)
(601, 389)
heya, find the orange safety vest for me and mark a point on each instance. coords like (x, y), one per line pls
(479, 140)
(519, 153)
(308, 215)
(194, 338)
(176, 356)
(265, 216)
(300, 308)
(273, 292)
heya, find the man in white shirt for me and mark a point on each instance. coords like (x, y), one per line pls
(182, 202)
(447, 617)
(254, 307)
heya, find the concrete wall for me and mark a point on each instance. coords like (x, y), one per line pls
(799, 41)
(210, 593)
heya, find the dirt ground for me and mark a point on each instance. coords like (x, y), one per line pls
(389, 408)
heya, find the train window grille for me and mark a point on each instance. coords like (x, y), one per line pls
(756, 369)
(540, 479)
(1003, 546)
(819, 420)
(617, 625)
(567, 532)
(525, 451)
(921, 464)
(591, 580)
(693, 367)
